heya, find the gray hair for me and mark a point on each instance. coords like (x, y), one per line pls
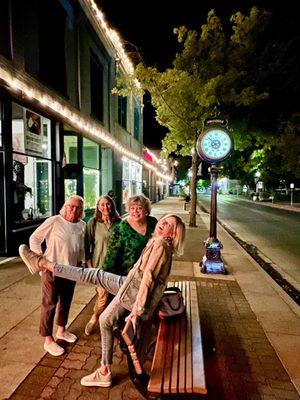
(63, 210)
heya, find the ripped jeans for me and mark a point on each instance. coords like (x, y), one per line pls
(111, 283)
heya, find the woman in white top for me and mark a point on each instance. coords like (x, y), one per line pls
(64, 237)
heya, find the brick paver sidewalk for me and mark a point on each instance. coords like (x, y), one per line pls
(240, 363)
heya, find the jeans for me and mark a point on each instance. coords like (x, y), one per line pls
(111, 283)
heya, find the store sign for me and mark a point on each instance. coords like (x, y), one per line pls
(33, 133)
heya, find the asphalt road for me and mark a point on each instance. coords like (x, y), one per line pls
(275, 232)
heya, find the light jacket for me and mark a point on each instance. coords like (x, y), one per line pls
(146, 281)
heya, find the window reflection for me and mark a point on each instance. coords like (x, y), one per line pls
(32, 180)
(32, 188)
(90, 187)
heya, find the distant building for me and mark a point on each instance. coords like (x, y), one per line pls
(62, 130)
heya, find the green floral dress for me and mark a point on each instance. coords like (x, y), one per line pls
(125, 246)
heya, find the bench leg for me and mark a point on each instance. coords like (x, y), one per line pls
(140, 381)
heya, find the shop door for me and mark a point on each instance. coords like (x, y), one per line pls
(72, 180)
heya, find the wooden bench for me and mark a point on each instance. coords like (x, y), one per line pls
(177, 366)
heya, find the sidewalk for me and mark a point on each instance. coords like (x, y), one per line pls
(250, 328)
(284, 205)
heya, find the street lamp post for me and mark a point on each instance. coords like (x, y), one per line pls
(292, 185)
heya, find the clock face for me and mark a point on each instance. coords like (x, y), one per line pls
(214, 145)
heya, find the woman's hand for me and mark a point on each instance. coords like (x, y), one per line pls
(133, 318)
(89, 264)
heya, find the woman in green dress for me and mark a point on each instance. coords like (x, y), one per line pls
(125, 244)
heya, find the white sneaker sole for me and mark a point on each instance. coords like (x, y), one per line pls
(98, 384)
(67, 340)
(55, 354)
(32, 268)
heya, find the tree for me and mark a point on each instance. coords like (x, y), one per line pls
(210, 71)
(250, 74)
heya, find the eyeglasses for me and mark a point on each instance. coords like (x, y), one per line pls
(73, 206)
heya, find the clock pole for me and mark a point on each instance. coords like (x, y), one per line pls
(213, 146)
(212, 260)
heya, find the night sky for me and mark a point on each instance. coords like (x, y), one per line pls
(147, 30)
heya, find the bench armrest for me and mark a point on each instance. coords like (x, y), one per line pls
(128, 336)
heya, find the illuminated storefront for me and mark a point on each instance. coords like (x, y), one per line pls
(131, 179)
(63, 130)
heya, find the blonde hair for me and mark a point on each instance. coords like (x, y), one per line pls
(141, 200)
(63, 210)
(113, 215)
(179, 235)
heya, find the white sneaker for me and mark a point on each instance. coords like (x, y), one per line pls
(54, 349)
(30, 258)
(67, 337)
(97, 379)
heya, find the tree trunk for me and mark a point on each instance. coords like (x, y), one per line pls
(193, 191)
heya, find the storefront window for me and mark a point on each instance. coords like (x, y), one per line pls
(132, 179)
(91, 173)
(90, 154)
(31, 132)
(90, 187)
(70, 187)
(32, 178)
(32, 188)
(71, 149)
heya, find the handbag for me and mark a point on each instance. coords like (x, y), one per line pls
(171, 304)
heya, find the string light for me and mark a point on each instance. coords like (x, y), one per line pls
(111, 35)
(92, 129)
(74, 117)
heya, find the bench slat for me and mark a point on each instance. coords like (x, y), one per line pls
(198, 371)
(155, 382)
(189, 349)
(177, 366)
(175, 362)
(176, 354)
(168, 359)
(182, 350)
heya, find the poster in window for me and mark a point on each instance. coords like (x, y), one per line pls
(33, 133)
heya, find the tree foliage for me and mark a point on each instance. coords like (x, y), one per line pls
(247, 72)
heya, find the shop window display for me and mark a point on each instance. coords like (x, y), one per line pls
(32, 187)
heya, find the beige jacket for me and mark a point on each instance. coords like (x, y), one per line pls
(147, 280)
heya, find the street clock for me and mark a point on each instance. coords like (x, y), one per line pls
(214, 144)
